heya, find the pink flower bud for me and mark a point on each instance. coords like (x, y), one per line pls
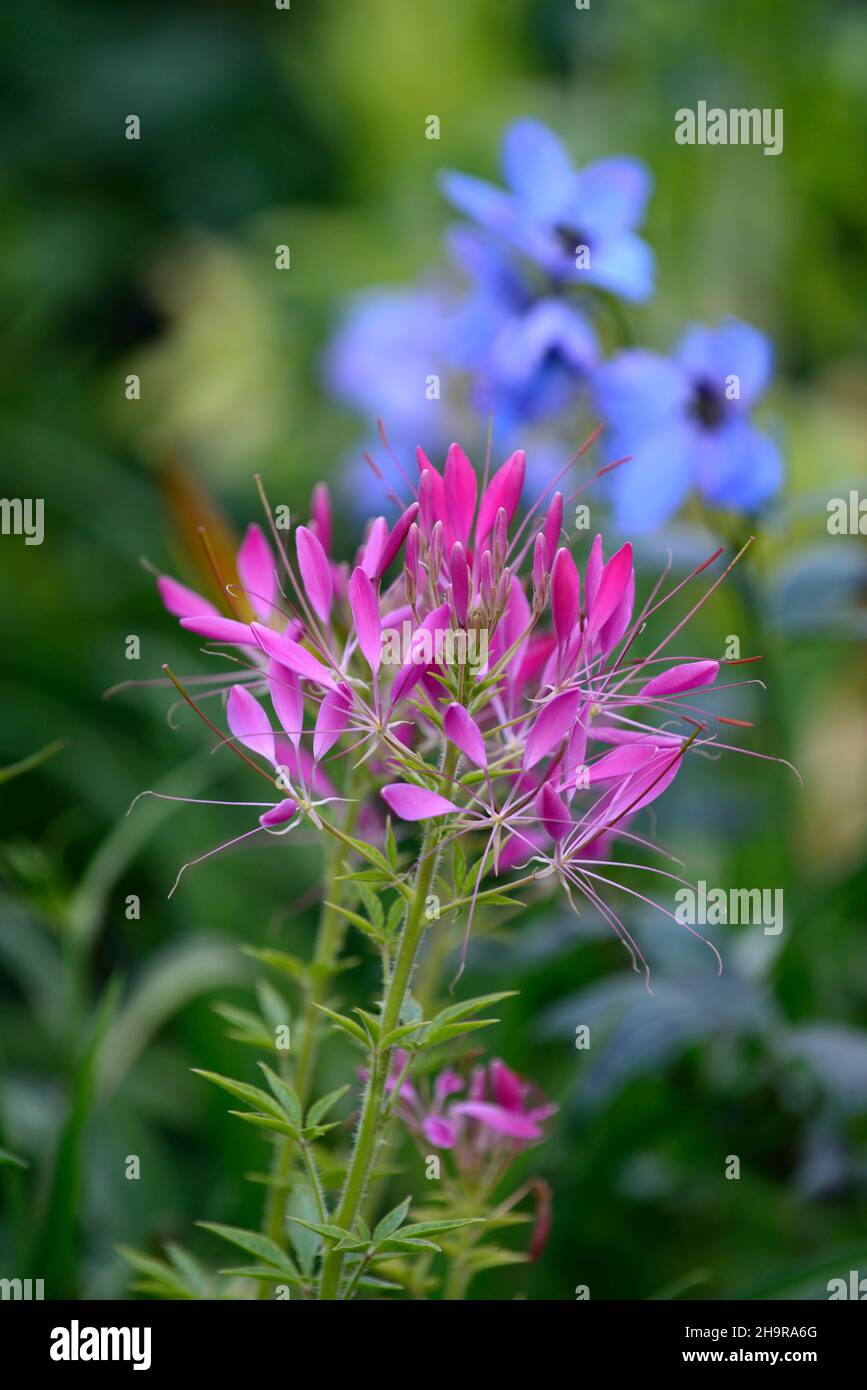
(565, 595)
(396, 539)
(460, 576)
(554, 523)
(320, 511)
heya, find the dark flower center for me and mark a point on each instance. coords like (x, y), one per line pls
(570, 238)
(708, 406)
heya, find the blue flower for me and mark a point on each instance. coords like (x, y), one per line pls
(552, 210)
(388, 348)
(685, 421)
(525, 352)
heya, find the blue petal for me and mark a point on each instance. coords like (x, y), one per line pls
(623, 264)
(611, 195)
(549, 328)
(731, 349)
(638, 393)
(653, 484)
(740, 467)
(481, 201)
(537, 167)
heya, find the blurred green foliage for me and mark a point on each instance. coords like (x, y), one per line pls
(307, 127)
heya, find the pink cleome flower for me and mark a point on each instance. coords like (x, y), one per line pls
(543, 739)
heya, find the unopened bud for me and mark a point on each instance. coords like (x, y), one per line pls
(540, 573)
(460, 575)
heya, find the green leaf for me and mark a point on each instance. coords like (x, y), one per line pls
(320, 1108)
(396, 914)
(454, 1030)
(269, 1122)
(470, 1006)
(459, 867)
(371, 1024)
(306, 1243)
(190, 1269)
(10, 1160)
(389, 1223)
(432, 1228)
(265, 1273)
(275, 1010)
(398, 1034)
(494, 1257)
(373, 906)
(184, 1278)
(279, 960)
(391, 844)
(258, 1099)
(324, 1229)
(284, 1094)
(255, 1244)
(246, 1028)
(395, 1244)
(348, 1025)
(358, 921)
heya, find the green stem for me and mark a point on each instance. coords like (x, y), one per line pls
(371, 1122)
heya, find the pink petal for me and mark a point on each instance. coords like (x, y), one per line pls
(374, 548)
(622, 762)
(551, 726)
(554, 524)
(279, 814)
(287, 700)
(553, 813)
(183, 602)
(331, 720)
(620, 619)
(415, 803)
(315, 572)
(593, 573)
(613, 733)
(646, 785)
(460, 485)
(256, 572)
(691, 675)
(291, 654)
(575, 753)
(504, 490)
(300, 767)
(431, 493)
(320, 509)
(565, 595)
(438, 1132)
(459, 572)
(413, 669)
(221, 630)
(519, 848)
(365, 610)
(612, 586)
(396, 539)
(447, 1084)
(498, 1119)
(506, 1086)
(249, 723)
(464, 732)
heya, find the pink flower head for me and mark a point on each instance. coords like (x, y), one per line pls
(493, 681)
(496, 1111)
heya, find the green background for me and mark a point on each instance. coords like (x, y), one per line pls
(306, 127)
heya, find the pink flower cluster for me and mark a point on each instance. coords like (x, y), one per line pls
(494, 1112)
(546, 751)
